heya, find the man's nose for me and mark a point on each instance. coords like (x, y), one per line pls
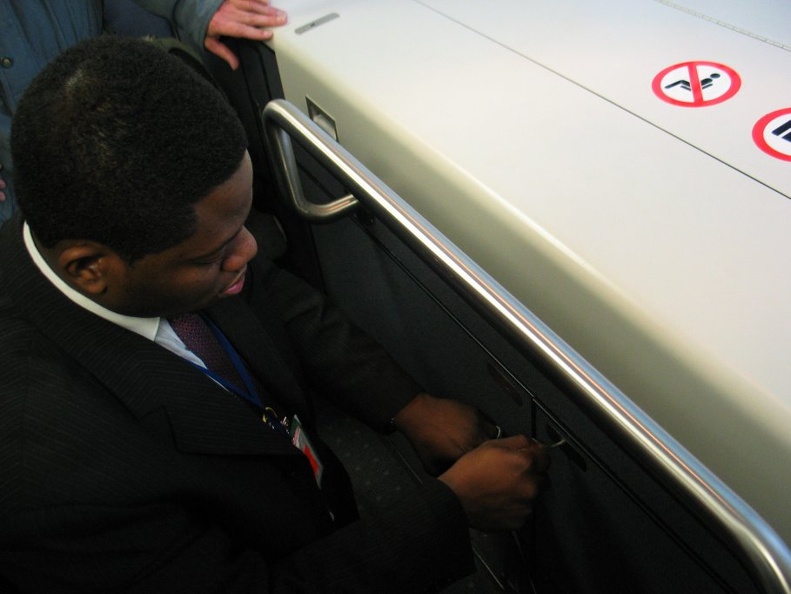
(243, 250)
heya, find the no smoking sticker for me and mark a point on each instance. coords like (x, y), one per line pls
(696, 84)
(772, 134)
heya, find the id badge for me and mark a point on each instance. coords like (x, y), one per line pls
(301, 441)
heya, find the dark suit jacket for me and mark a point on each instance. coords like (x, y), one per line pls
(122, 468)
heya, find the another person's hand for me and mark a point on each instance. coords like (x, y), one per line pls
(498, 482)
(442, 430)
(2, 187)
(247, 19)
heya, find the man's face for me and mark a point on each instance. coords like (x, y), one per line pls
(208, 266)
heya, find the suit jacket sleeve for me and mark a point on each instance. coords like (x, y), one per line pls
(337, 358)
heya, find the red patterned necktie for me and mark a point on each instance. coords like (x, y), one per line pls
(196, 335)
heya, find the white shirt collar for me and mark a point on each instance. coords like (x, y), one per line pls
(145, 327)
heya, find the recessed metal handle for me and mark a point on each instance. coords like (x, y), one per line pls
(281, 122)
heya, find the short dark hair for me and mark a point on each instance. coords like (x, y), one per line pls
(115, 141)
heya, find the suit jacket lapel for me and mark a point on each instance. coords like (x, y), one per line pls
(263, 356)
(205, 418)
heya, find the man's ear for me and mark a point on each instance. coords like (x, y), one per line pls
(88, 266)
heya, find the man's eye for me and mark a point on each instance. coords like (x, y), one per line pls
(210, 261)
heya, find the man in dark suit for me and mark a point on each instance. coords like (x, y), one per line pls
(129, 461)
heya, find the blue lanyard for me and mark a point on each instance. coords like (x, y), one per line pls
(250, 394)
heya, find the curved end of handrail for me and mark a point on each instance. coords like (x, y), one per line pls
(280, 124)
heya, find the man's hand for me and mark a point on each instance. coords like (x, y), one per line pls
(497, 482)
(2, 187)
(442, 430)
(247, 19)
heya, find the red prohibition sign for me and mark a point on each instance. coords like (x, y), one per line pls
(696, 84)
(772, 134)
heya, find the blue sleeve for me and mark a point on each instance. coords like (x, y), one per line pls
(189, 17)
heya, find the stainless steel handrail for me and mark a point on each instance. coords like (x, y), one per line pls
(762, 547)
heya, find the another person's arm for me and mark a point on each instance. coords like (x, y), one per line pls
(203, 22)
(245, 19)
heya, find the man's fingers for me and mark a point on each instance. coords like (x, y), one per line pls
(250, 5)
(535, 454)
(272, 17)
(221, 50)
(230, 28)
(244, 19)
(232, 18)
(540, 458)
